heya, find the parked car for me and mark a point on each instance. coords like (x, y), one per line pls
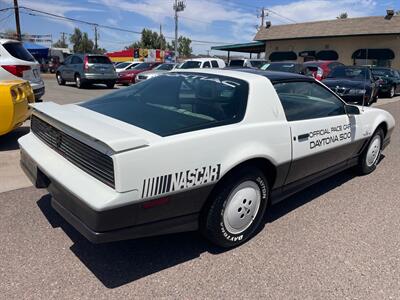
(389, 81)
(129, 76)
(126, 65)
(200, 63)
(247, 62)
(354, 84)
(323, 67)
(160, 69)
(85, 69)
(15, 97)
(196, 150)
(17, 63)
(284, 66)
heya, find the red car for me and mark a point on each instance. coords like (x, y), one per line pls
(129, 76)
(324, 67)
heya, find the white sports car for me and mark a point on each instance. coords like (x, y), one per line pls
(196, 150)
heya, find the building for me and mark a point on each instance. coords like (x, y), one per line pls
(352, 41)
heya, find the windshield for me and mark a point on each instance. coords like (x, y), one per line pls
(142, 66)
(382, 72)
(166, 67)
(349, 72)
(122, 65)
(99, 60)
(282, 67)
(176, 103)
(191, 64)
(258, 63)
(18, 51)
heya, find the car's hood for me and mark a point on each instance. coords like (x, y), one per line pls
(349, 83)
(116, 135)
(151, 72)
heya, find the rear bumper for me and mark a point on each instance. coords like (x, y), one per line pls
(99, 77)
(176, 213)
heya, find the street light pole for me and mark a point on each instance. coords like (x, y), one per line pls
(17, 24)
(178, 6)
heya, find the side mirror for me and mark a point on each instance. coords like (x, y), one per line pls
(351, 110)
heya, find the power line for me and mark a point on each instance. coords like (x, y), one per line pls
(282, 16)
(40, 13)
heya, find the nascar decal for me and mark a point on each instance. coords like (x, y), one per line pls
(181, 180)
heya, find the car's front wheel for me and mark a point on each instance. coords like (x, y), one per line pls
(372, 153)
(237, 208)
(59, 78)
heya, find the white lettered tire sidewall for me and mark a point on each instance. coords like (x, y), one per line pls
(216, 229)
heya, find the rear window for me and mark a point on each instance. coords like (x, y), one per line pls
(191, 65)
(99, 60)
(177, 102)
(237, 63)
(18, 51)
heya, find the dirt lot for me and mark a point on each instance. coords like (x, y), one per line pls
(338, 239)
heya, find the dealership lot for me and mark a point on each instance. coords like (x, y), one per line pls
(337, 238)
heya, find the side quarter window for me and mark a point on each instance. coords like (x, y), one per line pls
(214, 64)
(303, 100)
(206, 64)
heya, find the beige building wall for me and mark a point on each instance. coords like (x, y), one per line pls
(344, 46)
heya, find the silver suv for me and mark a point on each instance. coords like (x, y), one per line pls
(85, 69)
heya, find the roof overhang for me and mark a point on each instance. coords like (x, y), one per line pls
(252, 47)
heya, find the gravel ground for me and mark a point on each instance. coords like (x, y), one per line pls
(338, 239)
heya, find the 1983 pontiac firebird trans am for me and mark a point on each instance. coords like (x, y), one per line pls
(196, 150)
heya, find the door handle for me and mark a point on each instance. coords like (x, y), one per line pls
(303, 136)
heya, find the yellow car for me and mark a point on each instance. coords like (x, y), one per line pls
(15, 97)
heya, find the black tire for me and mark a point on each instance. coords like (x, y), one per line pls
(364, 167)
(212, 223)
(59, 78)
(79, 81)
(110, 84)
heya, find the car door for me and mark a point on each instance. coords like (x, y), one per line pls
(66, 69)
(76, 66)
(323, 135)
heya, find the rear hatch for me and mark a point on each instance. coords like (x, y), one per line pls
(22, 64)
(97, 130)
(99, 64)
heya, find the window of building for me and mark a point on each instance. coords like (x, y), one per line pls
(282, 56)
(308, 100)
(375, 57)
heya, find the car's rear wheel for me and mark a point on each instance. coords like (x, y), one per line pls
(237, 208)
(372, 153)
(59, 78)
(110, 84)
(78, 81)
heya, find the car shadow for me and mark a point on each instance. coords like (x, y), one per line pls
(10, 140)
(93, 86)
(119, 263)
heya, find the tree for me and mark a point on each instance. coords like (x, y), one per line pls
(150, 40)
(343, 15)
(81, 42)
(184, 48)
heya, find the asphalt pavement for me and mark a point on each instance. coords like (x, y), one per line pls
(338, 239)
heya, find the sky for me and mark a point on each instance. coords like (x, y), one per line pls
(206, 22)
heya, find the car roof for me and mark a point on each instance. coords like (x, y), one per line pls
(203, 59)
(273, 76)
(5, 41)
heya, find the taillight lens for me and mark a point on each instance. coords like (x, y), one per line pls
(86, 64)
(16, 70)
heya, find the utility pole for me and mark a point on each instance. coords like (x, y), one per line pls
(95, 38)
(17, 24)
(178, 6)
(262, 17)
(63, 37)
